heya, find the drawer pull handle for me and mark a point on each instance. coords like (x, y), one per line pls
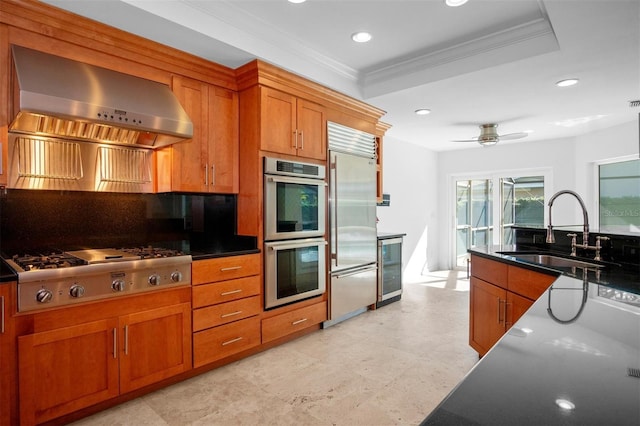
(230, 268)
(230, 314)
(228, 342)
(300, 321)
(226, 293)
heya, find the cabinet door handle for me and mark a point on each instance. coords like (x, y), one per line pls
(227, 293)
(230, 268)
(228, 342)
(206, 175)
(230, 314)
(301, 139)
(295, 139)
(300, 321)
(2, 313)
(126, 340)
(213, 175)
(499, 310)
(115, 343)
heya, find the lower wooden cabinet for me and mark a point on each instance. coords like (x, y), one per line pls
(67, 369)
(500, 294)
(226, 340)
(281, 325)
(494, 310)
(63, 370)
(8, 374)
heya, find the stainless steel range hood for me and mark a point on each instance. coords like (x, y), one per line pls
(61, 98)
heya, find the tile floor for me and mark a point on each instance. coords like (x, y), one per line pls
(390, 366)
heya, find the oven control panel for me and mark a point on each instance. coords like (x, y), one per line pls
(99, 284)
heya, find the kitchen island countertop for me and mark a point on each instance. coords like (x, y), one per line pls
(577, 346)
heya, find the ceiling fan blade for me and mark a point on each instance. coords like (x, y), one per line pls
(511, 136)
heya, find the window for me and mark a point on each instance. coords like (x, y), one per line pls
(522, 204)
(619, 199)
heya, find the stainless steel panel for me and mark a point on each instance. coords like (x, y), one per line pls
(352, 201)
(352, 290)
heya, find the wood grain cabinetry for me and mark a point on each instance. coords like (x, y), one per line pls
(209, 161)
(289, 322)
(500, 294)
(290, 125)
(227, 301)
(62, 370)
(7, 355)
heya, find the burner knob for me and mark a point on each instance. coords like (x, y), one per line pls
(176, 276)
(117, 285)
(44, 296)
(76, 291)
(154, 279)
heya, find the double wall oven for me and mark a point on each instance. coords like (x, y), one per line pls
(294, 228)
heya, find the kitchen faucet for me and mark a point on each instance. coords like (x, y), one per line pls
(585, 233)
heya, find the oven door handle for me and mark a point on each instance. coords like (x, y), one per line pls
(285, 179)
(297, 245)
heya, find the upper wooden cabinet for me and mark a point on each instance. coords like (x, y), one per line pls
(290, 125)
(209, 161)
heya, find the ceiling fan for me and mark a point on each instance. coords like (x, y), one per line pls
(489, 135)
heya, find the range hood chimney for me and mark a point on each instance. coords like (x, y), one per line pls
(62, 98)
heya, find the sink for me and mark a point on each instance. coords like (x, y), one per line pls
(551, 260)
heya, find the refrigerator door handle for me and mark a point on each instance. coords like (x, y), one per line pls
(302, 244)
(334, 211)
(357, 271)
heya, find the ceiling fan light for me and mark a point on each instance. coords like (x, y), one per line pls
(455, 3)
(423, 111)
(361, 37)
(488, 142)
(297, 1)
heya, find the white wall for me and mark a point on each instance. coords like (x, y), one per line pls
(410, 177)
(419, 181)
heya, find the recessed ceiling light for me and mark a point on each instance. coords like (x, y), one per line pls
(423, 111)
(565, 404)
(455, 3)
(568, 82)
(297, 1)
(361, 37)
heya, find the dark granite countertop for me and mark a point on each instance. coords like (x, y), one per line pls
(6, 273)
(578, 344)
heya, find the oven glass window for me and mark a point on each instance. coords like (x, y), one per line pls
(297, 271)
(297, 207)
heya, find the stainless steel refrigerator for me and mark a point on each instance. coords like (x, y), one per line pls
(352, 209)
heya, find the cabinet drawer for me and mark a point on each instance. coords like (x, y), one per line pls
(290, 322)
(220, 342)
(528, 283)
(226, 312)
(224, 268)
(225, 291)
(490, 270)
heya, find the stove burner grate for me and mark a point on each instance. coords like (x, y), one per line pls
(50, 261)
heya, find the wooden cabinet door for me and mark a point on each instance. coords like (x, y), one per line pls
(312, 130)
(516, 307)
(7, 356)
(487, 315)
(64, 370)
(277, 121)
(223, 147)
(155, 345)
(189, 157)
